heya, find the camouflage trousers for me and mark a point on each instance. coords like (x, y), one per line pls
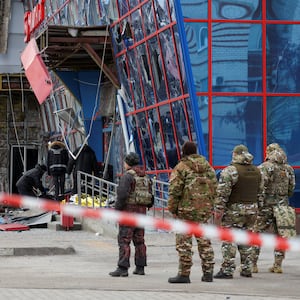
(184, 244)
(265, 221)
(240, 216)
(125, 236)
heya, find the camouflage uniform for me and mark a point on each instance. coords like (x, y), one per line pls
(279, 184)
(237, 194)
(192, 192)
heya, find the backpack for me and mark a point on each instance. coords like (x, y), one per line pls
(285, 220)
(142, 194)
(197, 196)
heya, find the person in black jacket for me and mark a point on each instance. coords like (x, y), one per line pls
(125, 190)
(30, 183)
(86, 162)
(57, 161)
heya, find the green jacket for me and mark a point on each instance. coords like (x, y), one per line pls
(192, 189)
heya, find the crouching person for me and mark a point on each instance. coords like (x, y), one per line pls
(30, 183)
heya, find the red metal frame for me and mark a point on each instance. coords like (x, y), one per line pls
(157, 104)
(264, 94)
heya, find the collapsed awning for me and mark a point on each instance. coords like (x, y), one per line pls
(36, 71)
(65, 48)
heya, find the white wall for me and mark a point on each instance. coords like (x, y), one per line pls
(10, 62)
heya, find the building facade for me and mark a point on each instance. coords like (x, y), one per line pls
(222, 72)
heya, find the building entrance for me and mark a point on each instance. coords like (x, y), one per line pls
(23, 158)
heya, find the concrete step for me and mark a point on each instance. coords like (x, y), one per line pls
(56, 225)
(35, 251)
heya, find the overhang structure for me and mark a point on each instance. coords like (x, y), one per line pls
(65, 48)
(78, 55)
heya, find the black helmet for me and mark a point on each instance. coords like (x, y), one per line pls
(132, 159)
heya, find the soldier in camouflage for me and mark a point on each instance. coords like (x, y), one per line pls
(236, 205)
(279, 183)
(192, 192)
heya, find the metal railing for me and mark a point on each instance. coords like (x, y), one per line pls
(96, 192)
(160, 191)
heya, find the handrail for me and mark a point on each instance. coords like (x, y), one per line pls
(97, 189)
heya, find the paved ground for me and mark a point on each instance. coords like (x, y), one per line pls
(84, 274)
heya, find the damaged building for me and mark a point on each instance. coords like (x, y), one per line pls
(148, 76)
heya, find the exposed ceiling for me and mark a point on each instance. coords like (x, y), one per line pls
(78, 48)
(4, 21)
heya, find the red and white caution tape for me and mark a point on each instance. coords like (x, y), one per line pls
(137, 220)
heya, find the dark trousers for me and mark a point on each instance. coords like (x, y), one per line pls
(125, 236)
(59, 185)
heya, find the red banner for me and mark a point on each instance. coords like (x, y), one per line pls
(36, 71)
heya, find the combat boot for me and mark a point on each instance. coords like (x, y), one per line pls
(222, 275)
(139, 271)
(179, 279)
(245, 273)
(207, 277)
(275, 269)
(119, 272)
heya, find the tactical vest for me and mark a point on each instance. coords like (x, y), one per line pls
(141, 193)
(246, 189)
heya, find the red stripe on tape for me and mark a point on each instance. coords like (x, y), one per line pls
(282, 244)
(225, 235)
(255, 239)
(161, 224)
(125, 218)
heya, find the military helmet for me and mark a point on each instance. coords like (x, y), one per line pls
(240, 149)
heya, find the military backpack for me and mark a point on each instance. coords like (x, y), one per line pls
(285, 220)
(142, 194)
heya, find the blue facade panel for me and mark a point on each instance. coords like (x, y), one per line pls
(84, 86)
